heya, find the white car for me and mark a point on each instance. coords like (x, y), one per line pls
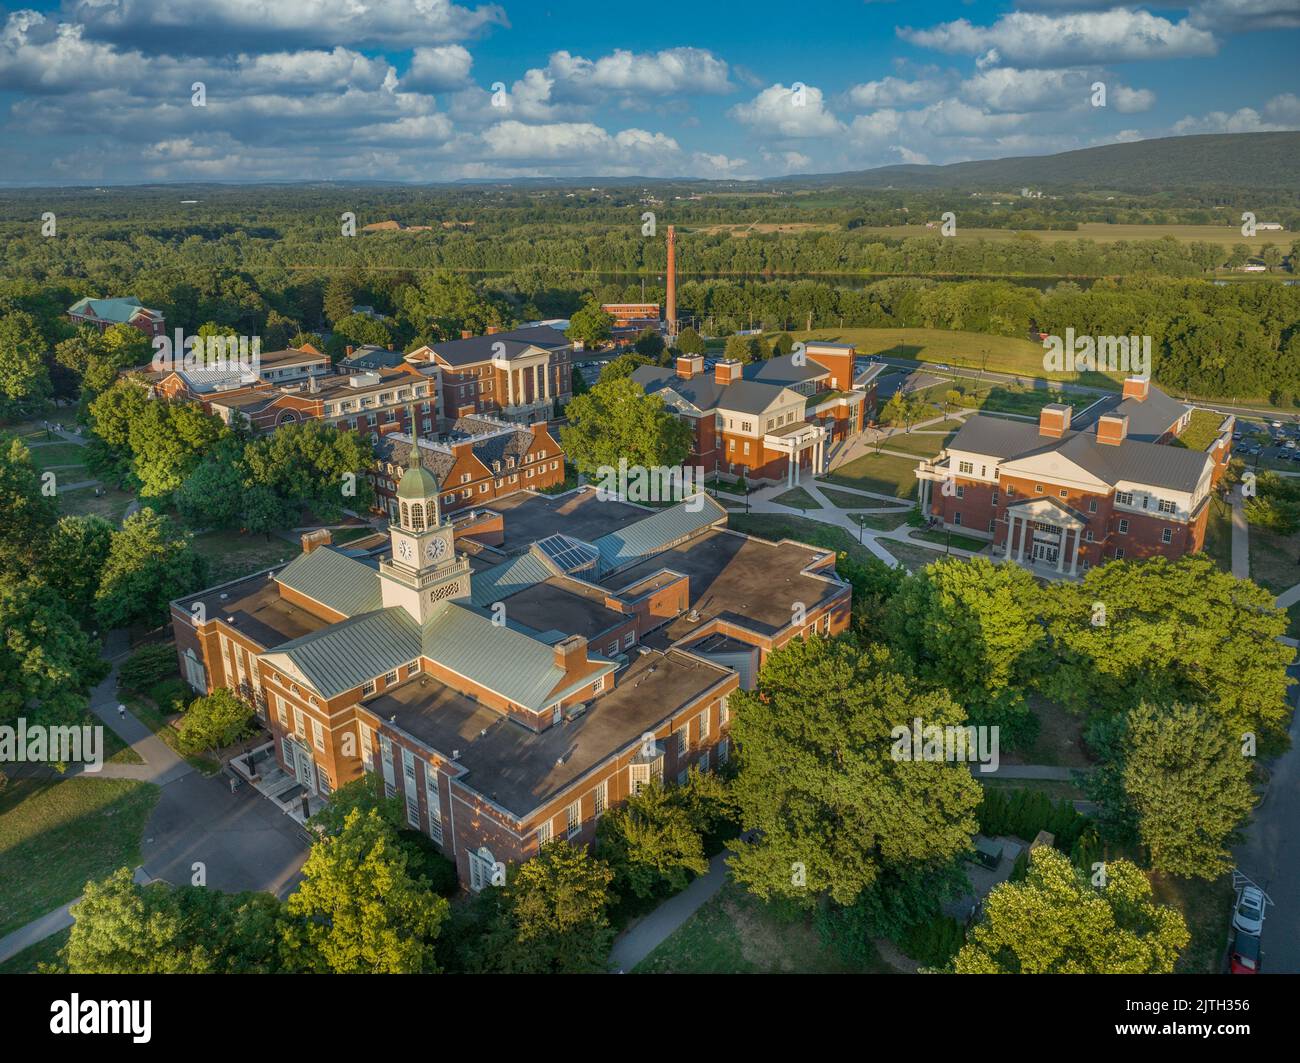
(1248, 916)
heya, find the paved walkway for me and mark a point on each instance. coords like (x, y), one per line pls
(1046, 772)
(645, 935)
(1240, 538)
(1288, 598)
(199, 832)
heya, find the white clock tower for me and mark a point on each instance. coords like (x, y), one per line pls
(423, 569)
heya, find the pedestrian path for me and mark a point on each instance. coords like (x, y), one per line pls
(1289, 597)
(47, 925)
(1240, 538)
(646, 934)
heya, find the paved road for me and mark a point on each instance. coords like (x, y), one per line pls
(1270, 854)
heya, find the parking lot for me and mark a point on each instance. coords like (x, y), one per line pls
(1267, 441)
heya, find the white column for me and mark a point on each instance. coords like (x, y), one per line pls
(789, 471)
(510, 386)
(1074, 559)
(1024, 532)
(546, 377)
(1060, 551)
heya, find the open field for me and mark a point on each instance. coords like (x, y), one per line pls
(1274, 559)
(83, 502)
(29, 960)
(912, 557)
(232, 555)
(1218, 536)
(56, 834)
(797, 497)
(735, 932)
(1100, 232)
(921, 444)
(58, 454)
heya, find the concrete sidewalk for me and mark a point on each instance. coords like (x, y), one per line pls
(39, 929)
(1240, 538)
(645, 935)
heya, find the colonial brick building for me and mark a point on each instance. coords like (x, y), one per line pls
(768, 421)
(128, 310)
(518, 375)
(509, 694)
(1068, 493)
(479, 460)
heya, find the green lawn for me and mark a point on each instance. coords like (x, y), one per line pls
(1274, 559)
(845, 500)
(883, 473)
(1207, 907)
(56, 834)
(777, 526)
(735, 932)
(47, 951)
(912, 557)
(943, 538)
(799, 498)
(82, 502)
(922, 445)
(149, 714)
(970, 350)
(232, 555)
(1218, 536)
(58, 454)
(882, 521)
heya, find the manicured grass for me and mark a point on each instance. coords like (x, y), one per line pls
(58, 454)
(1218, 536)
(232, 555)
(1201, 430)
(29, 960)
(799, 498)
(882, 521)
(912, 557)
(56, 834)
(1005, 354)
(116, 751)
(885, 474)
(149, 714)
(348, 535)
(847, 500)
(921, 444)
(943, 538)
(1207, 907)
(1274, 559)
(111, 505)
(777, 526)
(735, 932)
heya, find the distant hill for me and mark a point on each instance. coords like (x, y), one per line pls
(1240, 160)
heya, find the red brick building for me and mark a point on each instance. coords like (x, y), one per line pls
(1069, 493)
(519, 375)
(768, 421)
(507, 694)
(127, 310)
(480, 460)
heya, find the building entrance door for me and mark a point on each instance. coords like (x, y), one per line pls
(1046, 552)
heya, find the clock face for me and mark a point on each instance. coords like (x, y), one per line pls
(404, 549)
(435, 548)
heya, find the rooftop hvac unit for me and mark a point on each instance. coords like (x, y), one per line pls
(693, 616)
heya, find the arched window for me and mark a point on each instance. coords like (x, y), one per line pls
(417, 517)
(406, 516)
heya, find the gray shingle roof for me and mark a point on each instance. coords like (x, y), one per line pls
(1148, 419)
(335, 580)
(705, 393)
(1135, 460)
(782, 370)
(487, 449)
(515, 342)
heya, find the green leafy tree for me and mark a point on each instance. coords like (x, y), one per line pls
(150, 664)
(148, 566)
(359, 910)
(213, 722)
(622, 367)
(27, 511)
(818, 781)
(651, 844)
(689, 342)
(739, 349)
(650, 345)
(445, 304)
(590, 325)
(340, 297)
(75, 556)
(48, 664)
(313, 465)
(972, 627)
(1189, 784)
(874, 583)
(23, 374)
(1057, 922)
(551, 916)
(212, 496)
(1166, 632)
(617, 419)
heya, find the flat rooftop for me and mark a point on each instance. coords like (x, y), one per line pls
(564, 605)
(580, 514)
(519, 769)
(754, 582)
(254, 607)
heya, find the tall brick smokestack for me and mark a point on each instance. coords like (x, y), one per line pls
(670, 310)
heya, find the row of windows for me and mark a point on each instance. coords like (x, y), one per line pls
(1163, 505)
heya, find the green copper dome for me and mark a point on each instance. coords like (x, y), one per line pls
(417, 483)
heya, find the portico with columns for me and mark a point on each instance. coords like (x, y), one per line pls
(526, 383)
(1044, 536)
(794, 441)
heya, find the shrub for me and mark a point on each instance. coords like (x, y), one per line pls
(148, 665)
(934, 942)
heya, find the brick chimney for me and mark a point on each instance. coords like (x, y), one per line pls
(312, 539)
(466, 334)
(727, 372)
(1112, 428)
(689, 365)
(1137, 387)
(492, 330)
(670, 303)
(347, 351)
(1054, 420)
(571, 654)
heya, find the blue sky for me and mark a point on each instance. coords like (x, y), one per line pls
(101, 91)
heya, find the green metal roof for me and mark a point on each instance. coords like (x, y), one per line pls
(509, 577)
(335, 580)
(347, 654)
(119, 310)
(417, 483)
(664, 529)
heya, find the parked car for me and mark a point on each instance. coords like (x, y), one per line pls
(1245, 956)
(1248, 915)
